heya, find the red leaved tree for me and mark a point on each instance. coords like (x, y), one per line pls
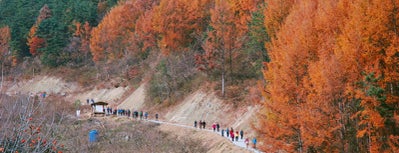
(178, 22)
(5, 38)
(110, 39)
(84, 33)
(225, 38)
(332, 79)
(35, 42)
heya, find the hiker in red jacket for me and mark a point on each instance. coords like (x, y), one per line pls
(214, 127)
(232, 135)
(246, 142)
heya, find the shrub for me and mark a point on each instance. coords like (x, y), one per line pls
(28, 125)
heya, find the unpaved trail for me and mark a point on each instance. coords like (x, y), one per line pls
(199, 105)
(224, 144)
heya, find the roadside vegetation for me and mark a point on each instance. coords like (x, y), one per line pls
(31, 124)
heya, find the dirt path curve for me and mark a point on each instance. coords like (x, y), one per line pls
(240, 143)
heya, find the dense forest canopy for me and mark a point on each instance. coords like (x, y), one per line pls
(332, 83)
(33, 33)
(330, 67)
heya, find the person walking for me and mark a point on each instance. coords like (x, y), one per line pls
(222, 132)
(145, 115)
(232, 135)
(195, 123)
(200, 124)
(236, 135)
(156, 116)
(242, 134)
(227, 132)
(217, 127)
(203, 124)
(246, 142)
(254, 142)
(214, 127)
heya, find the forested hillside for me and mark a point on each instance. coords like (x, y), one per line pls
(184, 42)
(333, 79)
(328, 69)
(45, 28)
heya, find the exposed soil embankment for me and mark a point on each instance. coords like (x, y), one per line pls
(200, 105)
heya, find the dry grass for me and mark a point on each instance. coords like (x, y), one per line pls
(123, 135)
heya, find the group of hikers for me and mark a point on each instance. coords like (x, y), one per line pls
(202, 124)
(126, 112)
(89, 101)
(37, 95)
(228, 132)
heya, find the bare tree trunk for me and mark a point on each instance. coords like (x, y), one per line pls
(342, 124)
(299, 131)
(223, 73)
(2, 76)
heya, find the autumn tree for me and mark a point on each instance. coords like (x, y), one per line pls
(276, 12)
(5, 38)
(177, 22)
(225, 38)
(30, 125)
(145, 36)
(255, 49)
(110, 39)
(35, 42)
(21, 15)
(367, 41)
(82, 44)
(333, 75)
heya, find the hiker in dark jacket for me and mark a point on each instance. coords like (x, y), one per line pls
(141, 115)
(242, 134)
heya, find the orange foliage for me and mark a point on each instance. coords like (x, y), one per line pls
(34, 42)
(5, 38)
(229, 20)
(176, 22)
(110, 39)
(84, 33)
(275, 14)
(369, 35)
(318, 54)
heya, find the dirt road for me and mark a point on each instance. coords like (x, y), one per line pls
(214, 140)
